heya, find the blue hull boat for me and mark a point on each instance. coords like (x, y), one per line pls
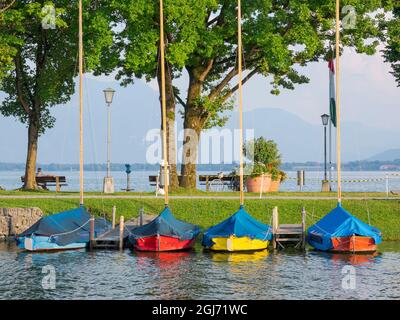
(340, 231)
(62, 231)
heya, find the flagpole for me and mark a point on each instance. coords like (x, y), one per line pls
(330, 153)
(338, 144)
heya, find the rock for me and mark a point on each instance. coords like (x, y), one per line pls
(16, 220)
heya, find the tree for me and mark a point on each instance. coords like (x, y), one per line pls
(42, 38)
(135, 52)
(392, 50)
(278, 37)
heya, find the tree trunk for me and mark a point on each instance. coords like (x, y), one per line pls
(193, 123)
(192, 130)
(171, 142)
(30, 166)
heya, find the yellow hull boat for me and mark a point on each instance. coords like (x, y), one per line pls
(233, 243)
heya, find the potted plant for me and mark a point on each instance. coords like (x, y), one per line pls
(265, 160)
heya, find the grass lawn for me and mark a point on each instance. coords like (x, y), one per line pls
(384, 214)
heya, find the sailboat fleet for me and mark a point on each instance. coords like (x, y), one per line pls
(337, 231)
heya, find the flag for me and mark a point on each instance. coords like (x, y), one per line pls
(332, 99)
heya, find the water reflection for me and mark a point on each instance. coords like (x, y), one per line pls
(198, 274)
(358, 259)
(239, 257)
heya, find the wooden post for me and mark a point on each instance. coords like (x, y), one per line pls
(121, 232)
(275, 223)
(141, 216)
(303, 223)
(58, 184)
(157, 185)
(207, 184)
(114, 210)
(92, 239)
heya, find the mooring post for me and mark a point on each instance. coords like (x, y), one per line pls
(141, 216)
(275, 222)
(303, 223)
(121, 232)
(114, 210)
(91, 241)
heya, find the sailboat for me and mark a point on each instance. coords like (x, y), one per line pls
(240, 232)
(340, 231)
(165, 232)
(69, 229)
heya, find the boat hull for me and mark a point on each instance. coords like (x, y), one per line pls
(162, 243)
(43, 243)
(349, 244)
(353, 244)
(233, 244)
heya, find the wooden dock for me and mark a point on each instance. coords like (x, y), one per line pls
(117, 237)
(288, 234)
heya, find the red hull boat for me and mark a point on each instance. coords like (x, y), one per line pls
(163, 243)
(353, 244)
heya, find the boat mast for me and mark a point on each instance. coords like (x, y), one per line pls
(163, 104)
(240, 102)
(339, 169)
(80, 105)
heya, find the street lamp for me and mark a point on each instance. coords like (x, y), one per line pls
(325, 183)
(108, 183)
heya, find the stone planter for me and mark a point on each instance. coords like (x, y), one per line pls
(258, 184)
(274, 186)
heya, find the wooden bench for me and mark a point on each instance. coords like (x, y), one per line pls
(49, 181)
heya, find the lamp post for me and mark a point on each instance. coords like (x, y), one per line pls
(325, 183)
(108, 183)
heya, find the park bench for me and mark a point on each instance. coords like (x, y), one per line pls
(46, 181)
(211, 181)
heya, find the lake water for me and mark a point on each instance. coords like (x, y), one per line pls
(199, 275)
(376, 181)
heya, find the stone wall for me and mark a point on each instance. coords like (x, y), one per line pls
(16, 220)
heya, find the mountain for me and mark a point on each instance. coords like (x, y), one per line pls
(387, 155)
(135, 115)
(301, 141)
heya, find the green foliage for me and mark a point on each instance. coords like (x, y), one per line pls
(40, 64)
(201, 37)
(265, 157)
(392, 50)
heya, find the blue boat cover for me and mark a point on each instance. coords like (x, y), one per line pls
(166, 225)
(339, 223)
(67, 227)
(240, 224)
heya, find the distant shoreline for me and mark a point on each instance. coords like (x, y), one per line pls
(383, 166)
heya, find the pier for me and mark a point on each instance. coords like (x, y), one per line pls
(288, 234)
(117, 237)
